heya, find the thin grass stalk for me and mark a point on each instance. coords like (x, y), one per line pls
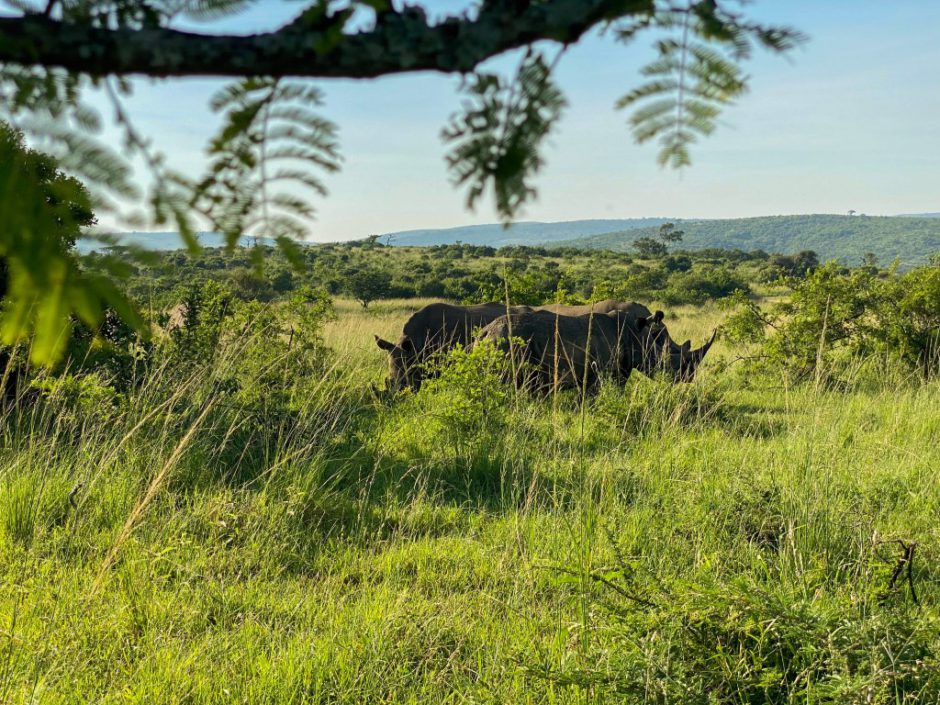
(137, 512)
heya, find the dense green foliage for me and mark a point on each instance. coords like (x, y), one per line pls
(368, 271)
(43, 211)
(835, 319)
(846, 238)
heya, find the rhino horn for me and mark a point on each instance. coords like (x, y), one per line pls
(699, 354)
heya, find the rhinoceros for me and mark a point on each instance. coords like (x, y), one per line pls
(662, 352)
(431, 330)
(680, 361)
(568, 351)
(551, 351)
(442, 326)
(631, 308)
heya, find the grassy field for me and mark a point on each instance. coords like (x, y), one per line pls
(729, 541)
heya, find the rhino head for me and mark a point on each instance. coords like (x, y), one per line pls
(403, 367)
(661, 352)
(684, 361)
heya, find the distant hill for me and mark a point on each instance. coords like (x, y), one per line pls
(912, 239)
(161, 241)
(526, 233)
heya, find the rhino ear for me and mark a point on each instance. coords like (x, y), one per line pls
(658, 316)
(384, 344)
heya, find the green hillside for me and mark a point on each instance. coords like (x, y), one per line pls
(842, 237)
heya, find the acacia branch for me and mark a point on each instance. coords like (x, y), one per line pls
(313, 45)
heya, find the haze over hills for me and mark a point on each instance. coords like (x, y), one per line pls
(523, 233)
(160, 241)
(495, 235)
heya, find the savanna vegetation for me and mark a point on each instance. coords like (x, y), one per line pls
(368, 271)
(221, 511)
(201, 501)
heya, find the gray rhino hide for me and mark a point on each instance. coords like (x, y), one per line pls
(559, 351)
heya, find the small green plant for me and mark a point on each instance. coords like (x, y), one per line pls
(469, 395)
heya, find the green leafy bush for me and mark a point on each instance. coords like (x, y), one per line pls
(701, 285)
(910, 318)
(195, 324)
(836, 316)
(468, 397)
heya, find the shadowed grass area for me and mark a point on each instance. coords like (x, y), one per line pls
(708, 543)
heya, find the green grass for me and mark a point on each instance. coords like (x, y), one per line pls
(714, 543)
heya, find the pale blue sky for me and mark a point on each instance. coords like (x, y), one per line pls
(849, 121)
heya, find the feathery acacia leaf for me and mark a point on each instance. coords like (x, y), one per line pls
(694, 76)
(266, 122)
(496, 140)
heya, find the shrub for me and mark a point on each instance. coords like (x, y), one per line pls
(196, 324)
(469, 396)
(677, 263)
(835, 316)
(699, 286)
(910, 319)
(281, 350)
(368, 285)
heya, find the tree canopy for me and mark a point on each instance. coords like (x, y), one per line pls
(43, 211)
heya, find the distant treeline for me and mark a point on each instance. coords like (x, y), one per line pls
(369, 271)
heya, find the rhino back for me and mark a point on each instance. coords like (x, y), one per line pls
(606, 306)
(442, 325)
